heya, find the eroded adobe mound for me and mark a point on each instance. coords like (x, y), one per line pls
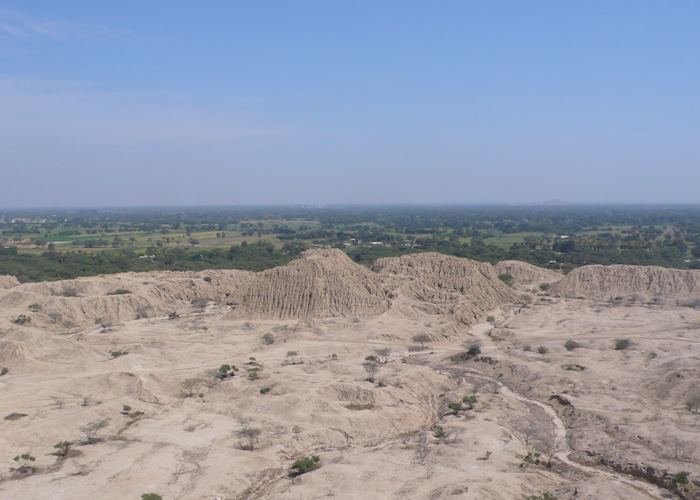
(112, 298)
(320, 283)
(8, 281)
(618, 281)
(442, 284)
(523, 272)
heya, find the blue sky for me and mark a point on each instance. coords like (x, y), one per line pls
(226, 102)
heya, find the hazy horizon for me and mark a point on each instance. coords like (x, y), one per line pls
(342, 206)
(317, 103)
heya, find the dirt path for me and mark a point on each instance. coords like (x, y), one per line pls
(561, 443)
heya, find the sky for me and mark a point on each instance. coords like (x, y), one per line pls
(119, 103)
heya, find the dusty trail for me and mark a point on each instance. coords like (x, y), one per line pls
(561, 443)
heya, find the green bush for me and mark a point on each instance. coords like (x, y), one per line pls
(62, 448)
(421, 339)
(474, 350)
(506, 278)
(439, 432)
(151, 496)
(24, 464)
(570, 345)
(22, 319)
(542, 350)
(226, 371)
(455, 406)
(622, 344)
(681, 478)
(304, 465)
(470, 401)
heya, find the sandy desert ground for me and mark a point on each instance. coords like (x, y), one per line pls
(474, 393)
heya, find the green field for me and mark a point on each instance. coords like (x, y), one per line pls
(505, 241)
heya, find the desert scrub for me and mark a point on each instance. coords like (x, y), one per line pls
(681, 478)
(474, 350)
(24, 464)
(371, 368)
(455, 406)
(249, 436)
(692, 402)
(62, 448)
(22, 319)
(151, 496)
(69, 292)
(226, 371)
(439, 432)
(470, 401)
(570, 345)
(253, 373)
(90, 430)
(304, 465)
(421, 339)
(622, 344)
(384, 354)
(506, 278)
(290, 358)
